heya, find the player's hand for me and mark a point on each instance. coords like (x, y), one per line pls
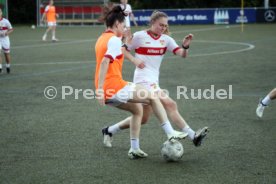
(127, 33)
(139, 63)
(100, 96)
(187, 40)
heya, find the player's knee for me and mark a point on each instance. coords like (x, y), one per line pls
(137, 109)
(171, 105)
(145, 119)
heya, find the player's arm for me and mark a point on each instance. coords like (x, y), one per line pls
(137, 62)
(183, 52)
(133, 19)
(9, 32)
(102, 73)
(10, 29)
(43, 18)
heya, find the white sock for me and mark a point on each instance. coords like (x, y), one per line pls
(1, 66)
(134, 143)
(167, 127)
(8, 65)
(266, 100)
(114, 128)
(191, 132)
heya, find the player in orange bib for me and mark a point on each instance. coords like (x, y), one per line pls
(111, 89)
(51, 15)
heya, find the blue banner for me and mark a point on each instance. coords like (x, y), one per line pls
(201, 16)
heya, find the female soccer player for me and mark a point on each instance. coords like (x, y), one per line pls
(111, 89)
(51, 18)
(129, 15)
(264, 102)
(5, 30)
(150, 46)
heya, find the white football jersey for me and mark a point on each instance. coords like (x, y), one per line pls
(150, 50)
(5, 25)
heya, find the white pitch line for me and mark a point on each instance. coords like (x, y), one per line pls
(205, 29)
(52, 44)
(54, 63)
(91, 40)
(249, 47)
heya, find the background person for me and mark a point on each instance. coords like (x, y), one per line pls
(51, 19)
(5, 30)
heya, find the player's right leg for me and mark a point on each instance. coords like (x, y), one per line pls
(109, 131)
(6, 50)
(136, 110)
(142, 95)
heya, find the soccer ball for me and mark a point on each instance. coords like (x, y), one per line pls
(33, 27)
(172, 151)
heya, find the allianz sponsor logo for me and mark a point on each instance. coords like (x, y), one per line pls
(155, 51)
(221, 17)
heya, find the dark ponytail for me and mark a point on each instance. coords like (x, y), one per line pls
(116, 14)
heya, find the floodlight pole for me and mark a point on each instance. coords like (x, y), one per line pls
(266, 4)
(242, 14)
(7, 9)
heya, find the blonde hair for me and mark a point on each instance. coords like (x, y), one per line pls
(157, 15)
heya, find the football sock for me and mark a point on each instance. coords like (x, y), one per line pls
(134, 142)
(266, 101)
(7, 65)
(190, 132)
(1, 66)
(167, 127)
(114, 128)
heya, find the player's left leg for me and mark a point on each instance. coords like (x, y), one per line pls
(264, 102)
(272, 94)
(6, 49)
(54, 39)
(172, 110)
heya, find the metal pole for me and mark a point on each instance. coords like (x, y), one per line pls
(7, 10)
(266, 4)
(37, 13)
(242, 14)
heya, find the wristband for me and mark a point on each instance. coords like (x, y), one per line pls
(185, 47)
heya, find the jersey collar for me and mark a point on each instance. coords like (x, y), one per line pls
(153, 37)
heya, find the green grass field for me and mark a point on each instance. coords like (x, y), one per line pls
(59, 141)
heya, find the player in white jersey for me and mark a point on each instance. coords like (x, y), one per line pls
(150, 46)
(5, 31)
(127, 10)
